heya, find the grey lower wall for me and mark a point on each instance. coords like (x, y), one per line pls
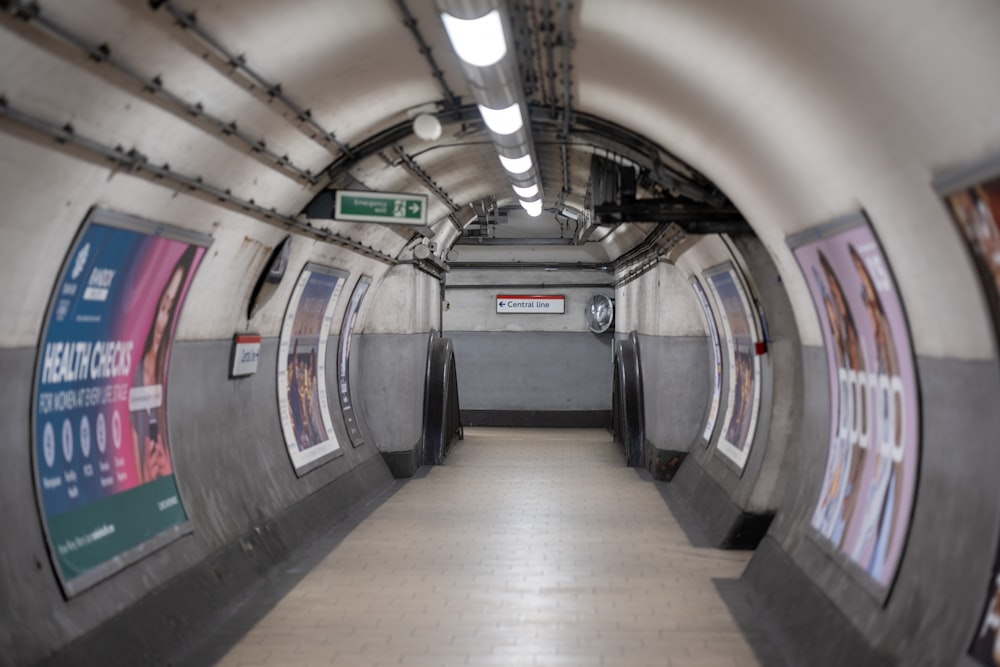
(533, 370)
(390, 387)
(237, 485)
(676, 385)
(941, 586)
(736, 504)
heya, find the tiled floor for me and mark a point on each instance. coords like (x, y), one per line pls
(529, 547)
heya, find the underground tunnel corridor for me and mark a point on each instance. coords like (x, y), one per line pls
(266, 263)
(530, 547)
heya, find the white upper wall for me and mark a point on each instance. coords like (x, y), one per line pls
(659, 303)
(404, 301)
(802, 112)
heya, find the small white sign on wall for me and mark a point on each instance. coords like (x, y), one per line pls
(523, 303)
(246, 354)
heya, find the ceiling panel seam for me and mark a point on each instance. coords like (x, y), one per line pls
(451, 99)
(126, 76)
(134, 162)
(567, 43)
(236, 68)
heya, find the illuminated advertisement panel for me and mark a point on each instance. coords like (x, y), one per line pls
(713, 408)
(103, 459)
(302, 399)
(866, 497)
(740, 421)
(975, 208)
(344, 361)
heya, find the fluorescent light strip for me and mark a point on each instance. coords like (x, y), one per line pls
(534, 208)
(526, 193)
(516, 165)
(503, 121)
(479, 42)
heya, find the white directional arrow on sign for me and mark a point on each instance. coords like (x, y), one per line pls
(387, 208)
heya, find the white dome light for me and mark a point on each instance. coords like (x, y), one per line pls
(427, 127)
(503, 121)
(526, 193)
(479, 42)
(516, 165)
(534, 208)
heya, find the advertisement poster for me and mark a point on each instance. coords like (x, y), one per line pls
(102, 454)
(986, 643)
(344, 362)
(976, 211)
(867, 493)
(713, 408)
(740, 421)
(302, 401)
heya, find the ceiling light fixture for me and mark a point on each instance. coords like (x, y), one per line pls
(503, 121)
(479, 42)
(526, 193)
(516, 165)
(427, 127)
(479, 34)
(534, 208)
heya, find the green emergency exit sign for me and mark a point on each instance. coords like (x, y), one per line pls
(384, 207)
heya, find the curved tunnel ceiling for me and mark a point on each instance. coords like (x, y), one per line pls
(797, 114)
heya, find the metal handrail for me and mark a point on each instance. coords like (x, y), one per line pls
(442, 417)
(628, 414)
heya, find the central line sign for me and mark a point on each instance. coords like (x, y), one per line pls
(531, 304)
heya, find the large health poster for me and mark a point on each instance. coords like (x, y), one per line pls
(740, 422)
(975, 208)
(713, 408)
(344, 362)
(102, 453)
(302, 398)
(866, 497)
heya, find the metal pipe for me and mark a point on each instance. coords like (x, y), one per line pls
(567, 42)
(237, 63)
(530, 286)
(135, 163)
(521, 266)
(451, 100)
(154, 88)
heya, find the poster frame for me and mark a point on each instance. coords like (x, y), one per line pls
(857, 574)
(349, 321)
(728, 451)
(947, 184)
(324, 337)
(715, 404)
(90, 578)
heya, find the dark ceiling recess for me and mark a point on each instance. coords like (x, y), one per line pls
(613, 187)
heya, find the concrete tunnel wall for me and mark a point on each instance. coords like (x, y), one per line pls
(805, 114)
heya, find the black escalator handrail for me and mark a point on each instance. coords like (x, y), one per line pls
(442, 418)
(629, 417)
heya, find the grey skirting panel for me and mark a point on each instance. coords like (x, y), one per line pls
(538, 418)
(403, 463)
(723, 522)
(154, 627)
(802, 622)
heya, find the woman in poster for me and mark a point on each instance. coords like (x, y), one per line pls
(878, 522)
(295, 398)
(975, 211)
(148, 424)
(849, 446)
(315, 415)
